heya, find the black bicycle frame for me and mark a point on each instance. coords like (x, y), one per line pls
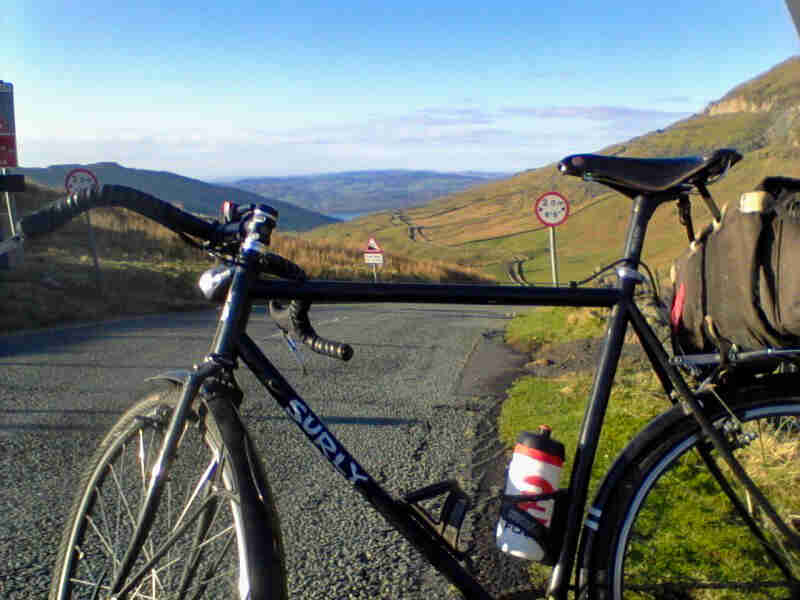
(619, 299)
(232, 342)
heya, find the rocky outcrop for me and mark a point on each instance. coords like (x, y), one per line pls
(736, 105)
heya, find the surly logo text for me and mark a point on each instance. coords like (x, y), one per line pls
(324, 441)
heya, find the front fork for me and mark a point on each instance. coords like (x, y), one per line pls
(232, 322)
(158, 477)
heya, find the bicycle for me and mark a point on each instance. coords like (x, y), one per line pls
(151, 519)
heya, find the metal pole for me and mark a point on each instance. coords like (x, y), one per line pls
(8, 207)
(93, 248)
(14, 257)
(553, 261)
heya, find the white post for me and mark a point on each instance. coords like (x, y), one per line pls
(553, 262)
(14, 258)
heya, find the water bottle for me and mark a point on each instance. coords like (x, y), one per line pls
(535, 469)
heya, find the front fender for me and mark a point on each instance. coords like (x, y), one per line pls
(176, 376)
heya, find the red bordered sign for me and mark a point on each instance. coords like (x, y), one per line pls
(78, 180)
(8, 137)
(373, 255)
(552, 209)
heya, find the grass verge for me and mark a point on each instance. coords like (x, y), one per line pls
(688, 529)
(539, 327)
(560, 402)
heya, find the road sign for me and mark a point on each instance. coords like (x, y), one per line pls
(78, 180)
(8, 136)
(552, 209)
(373, 256)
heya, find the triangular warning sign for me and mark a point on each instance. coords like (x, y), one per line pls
(372, 246)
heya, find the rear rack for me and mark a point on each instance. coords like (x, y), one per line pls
(696, 361)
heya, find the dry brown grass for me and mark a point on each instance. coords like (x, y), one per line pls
(145, 268)
(324, 260)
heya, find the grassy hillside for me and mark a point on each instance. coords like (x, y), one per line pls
(192, 194)
(146, 268)
(362, 191)
(487, 226)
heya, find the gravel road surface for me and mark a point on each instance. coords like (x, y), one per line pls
(408, 407)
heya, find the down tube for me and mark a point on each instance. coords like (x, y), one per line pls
(397, 513)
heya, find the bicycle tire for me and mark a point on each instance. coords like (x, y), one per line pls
(667, 529)
(228, 542)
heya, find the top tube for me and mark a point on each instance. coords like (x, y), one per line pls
(434, 293)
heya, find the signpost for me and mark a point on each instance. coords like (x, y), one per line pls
(75, 182)
(373, 255)
(8, 136)
(8, 158)
(552, 209)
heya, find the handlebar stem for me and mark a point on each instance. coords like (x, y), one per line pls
(258, 227)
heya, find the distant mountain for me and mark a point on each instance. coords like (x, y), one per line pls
(364, 191)
(192, 194)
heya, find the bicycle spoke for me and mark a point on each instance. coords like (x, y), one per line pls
(694, 533)
(122, 495)
(187, 551)
(204, 479)
(163, 549)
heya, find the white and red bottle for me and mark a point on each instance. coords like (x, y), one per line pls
(535, 469)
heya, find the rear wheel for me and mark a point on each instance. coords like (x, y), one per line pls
(669, 531)
(201, 542)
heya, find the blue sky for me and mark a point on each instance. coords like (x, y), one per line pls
(280, 88)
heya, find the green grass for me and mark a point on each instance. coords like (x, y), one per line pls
(689, 531)
(542, 326)
(560, 403)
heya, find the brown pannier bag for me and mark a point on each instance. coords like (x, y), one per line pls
(737, 286)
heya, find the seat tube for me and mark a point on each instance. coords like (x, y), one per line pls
(643, 208)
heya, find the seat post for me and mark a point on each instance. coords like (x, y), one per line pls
(642, 211)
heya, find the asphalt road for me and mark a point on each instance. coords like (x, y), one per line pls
(407, 407)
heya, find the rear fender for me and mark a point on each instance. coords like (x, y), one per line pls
(629, 455)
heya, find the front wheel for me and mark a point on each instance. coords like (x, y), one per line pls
(668, 530)
(204, 540)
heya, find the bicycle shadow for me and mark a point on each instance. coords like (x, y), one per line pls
(67, 420)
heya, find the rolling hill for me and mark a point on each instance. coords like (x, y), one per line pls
(364, 191)
(192, 194)
(489, 225)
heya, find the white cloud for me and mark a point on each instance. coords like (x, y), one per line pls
(594, 113)
(441, 138)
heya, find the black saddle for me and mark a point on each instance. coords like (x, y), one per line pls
(634, 176)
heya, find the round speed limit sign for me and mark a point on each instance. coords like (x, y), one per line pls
(552, 209)
(79, 180)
